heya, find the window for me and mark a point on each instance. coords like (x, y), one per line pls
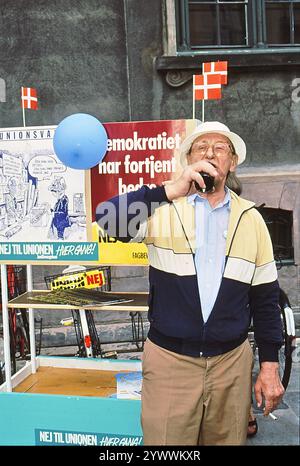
(280, 226)
(282, 22)
(257, 34)
(242, 24)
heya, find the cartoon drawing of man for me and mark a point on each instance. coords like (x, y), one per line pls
(13, 213)
(60, 220)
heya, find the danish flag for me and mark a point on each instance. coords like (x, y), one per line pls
(216, 67)
(29, 98)
(207, 86)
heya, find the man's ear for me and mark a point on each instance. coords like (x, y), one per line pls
(234, 163)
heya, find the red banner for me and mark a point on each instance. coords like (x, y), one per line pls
(138, 153)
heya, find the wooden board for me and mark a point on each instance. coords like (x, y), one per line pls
(139, 302)
(76, 382)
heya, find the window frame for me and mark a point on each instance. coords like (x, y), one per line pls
(183, 28)
(291, 4)
(255, 26)
(257, 58)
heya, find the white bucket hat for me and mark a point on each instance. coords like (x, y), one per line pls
(213, 127)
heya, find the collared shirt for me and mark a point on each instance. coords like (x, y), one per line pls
(211, 234)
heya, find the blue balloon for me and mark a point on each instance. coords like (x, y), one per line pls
(80, 141)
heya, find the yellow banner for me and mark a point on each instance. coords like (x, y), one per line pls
(113, 252)
(90, 279)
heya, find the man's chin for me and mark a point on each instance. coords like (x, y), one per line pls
(219, 183)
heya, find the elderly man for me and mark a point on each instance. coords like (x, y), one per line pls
(211, 270)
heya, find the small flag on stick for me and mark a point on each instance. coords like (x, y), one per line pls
(207, 86)
(29, 98)
(216, 67)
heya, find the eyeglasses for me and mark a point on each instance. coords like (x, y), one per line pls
(219, 148)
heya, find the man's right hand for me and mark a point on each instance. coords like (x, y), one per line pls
(184, 185)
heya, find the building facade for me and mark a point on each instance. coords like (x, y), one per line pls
(127, 60)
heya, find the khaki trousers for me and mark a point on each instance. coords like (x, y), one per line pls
(196, 401)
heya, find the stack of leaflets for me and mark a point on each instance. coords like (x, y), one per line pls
(129, 385)
(80, 297)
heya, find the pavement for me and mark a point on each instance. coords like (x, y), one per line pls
(284, 430)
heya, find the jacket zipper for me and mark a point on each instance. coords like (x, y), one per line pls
(226, 259)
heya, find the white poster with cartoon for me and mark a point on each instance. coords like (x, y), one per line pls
(41, 200)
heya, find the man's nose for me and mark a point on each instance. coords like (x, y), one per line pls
(210, 152)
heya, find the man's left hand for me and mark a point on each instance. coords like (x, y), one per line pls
(268, 386)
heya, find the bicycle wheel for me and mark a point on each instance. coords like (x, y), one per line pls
(2, 377)
(286, 351)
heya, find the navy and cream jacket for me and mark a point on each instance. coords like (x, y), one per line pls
(249, 286)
